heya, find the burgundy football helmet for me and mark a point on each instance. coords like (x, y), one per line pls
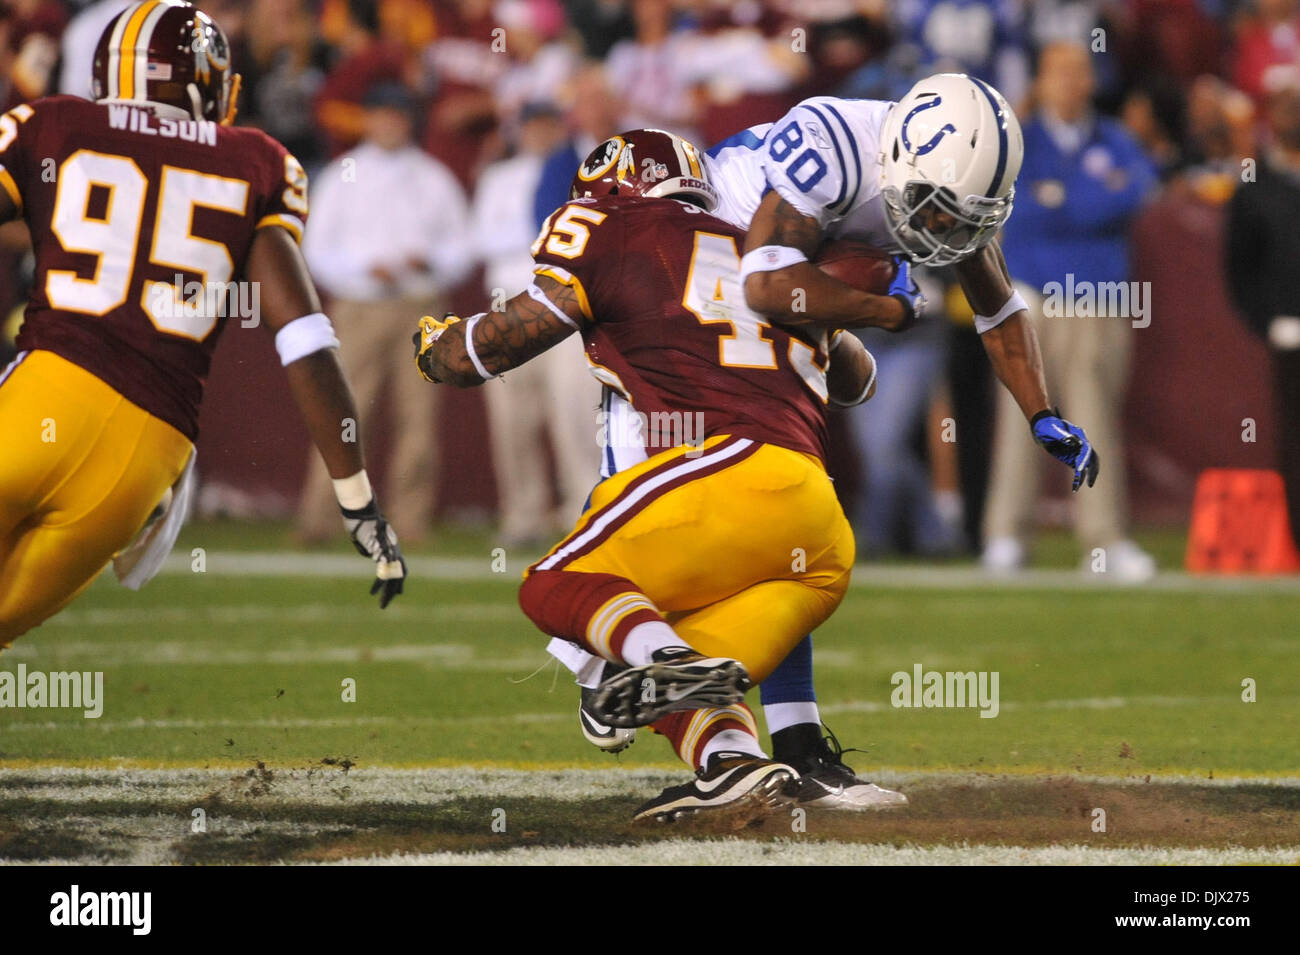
(650, 163)
(170, 54)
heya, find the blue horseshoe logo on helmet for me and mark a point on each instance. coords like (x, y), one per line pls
(935, 139)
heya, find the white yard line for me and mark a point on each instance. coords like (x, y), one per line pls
(306, 564)
(198, 613)
(445, 661)
(1085, 703)
(325, 783)
(443, 656)
(741, 852)
(748, 853)
(293, 564)
(975, 578)
(112, 726)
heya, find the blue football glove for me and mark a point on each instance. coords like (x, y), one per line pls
(907, 292)
(1068, 444)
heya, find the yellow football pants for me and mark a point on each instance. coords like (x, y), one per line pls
(743, 547)
(81, 469)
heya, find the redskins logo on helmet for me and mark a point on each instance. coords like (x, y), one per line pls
(601, 160)
(169, 54)
(650, 163)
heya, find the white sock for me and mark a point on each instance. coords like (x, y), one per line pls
(950, 507)
(645, 638)
(731, 741)
(585, 667)
(780, 716)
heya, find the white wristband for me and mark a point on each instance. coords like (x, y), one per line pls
(305, 335)
(354, 492)
(1014, 304)
(866, 389)
(1284, 333)
(769, 258)
(469, 347)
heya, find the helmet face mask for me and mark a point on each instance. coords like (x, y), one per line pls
(933, 228)
(951, 151)
(646, 163)
(211, 66)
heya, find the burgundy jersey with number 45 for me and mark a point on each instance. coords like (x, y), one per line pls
(120, 202)
(670, 332)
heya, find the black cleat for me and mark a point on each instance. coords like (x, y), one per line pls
(731, 781)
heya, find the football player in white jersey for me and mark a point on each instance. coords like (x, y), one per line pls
(930, 178)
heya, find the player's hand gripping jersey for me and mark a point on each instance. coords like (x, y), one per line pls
(116, 220)
(670, 331)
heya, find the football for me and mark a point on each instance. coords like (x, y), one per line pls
(865, 267)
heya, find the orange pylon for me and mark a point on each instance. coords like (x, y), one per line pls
(1239, 524)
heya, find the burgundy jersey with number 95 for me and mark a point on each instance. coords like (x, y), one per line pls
(140, 224)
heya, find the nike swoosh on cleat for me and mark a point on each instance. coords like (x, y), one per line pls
(831, 790)
(713, 785)
(675, 693)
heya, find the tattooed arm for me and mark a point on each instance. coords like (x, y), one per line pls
(505, 339)
(802, 294)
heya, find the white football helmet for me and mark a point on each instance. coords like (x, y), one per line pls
(950, 153)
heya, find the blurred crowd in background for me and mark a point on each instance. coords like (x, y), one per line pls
(461, 123)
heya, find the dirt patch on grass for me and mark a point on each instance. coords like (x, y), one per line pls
(245, 824)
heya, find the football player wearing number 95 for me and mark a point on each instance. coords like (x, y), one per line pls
(127, 197)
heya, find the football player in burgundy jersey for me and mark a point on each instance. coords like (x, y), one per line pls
(697, 570)
(133, 201)
(798, 736)
(930, 178)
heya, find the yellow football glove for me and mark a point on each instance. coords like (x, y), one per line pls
(430, 331)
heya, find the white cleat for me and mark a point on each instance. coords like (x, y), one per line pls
(825, 782)
(611, 739)
(1125, 563)
(846, 795)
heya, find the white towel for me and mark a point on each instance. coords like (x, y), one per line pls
(136, 565)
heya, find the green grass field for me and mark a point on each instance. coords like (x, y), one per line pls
(241, 670)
